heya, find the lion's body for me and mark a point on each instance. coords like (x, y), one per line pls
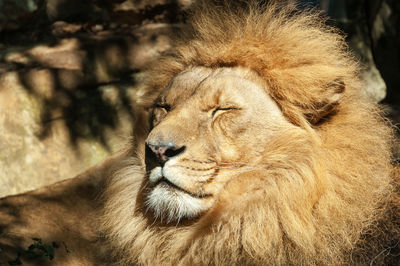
(316, 188)
(66, 213)
(267, 152)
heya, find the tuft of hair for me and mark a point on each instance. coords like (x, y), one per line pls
(327, 197)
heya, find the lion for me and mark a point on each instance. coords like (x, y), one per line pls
(262, 150)
(255, 146)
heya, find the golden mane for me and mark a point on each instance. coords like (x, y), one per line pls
(330, 187)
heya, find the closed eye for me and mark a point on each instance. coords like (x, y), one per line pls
(164, 107)
(222, 109)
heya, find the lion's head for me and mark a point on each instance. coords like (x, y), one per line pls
(210, 126)
(261, 148)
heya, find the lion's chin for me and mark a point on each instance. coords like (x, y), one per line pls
(172, 205)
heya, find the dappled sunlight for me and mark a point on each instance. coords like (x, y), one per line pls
(67, 100)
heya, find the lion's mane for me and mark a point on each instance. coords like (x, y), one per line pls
(328, 190)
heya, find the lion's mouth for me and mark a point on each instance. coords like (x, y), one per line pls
(165, 182)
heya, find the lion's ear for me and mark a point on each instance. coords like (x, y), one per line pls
(328, 103)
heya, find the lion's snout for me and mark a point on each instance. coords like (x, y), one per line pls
(164, 150)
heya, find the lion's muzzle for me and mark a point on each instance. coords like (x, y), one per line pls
(163, 152)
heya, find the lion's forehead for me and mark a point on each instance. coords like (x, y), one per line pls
(212, 85)
(183, 85)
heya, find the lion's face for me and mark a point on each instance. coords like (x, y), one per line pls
(208, 126)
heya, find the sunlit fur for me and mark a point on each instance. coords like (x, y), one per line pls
(321, 196)
(177, 204)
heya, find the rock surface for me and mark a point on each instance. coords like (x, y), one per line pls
(15, 13)
(66, 103)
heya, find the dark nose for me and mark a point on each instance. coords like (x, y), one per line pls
(167, 151)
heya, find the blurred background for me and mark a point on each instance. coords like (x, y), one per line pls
(71, 70)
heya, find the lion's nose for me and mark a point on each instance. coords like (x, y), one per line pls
(166, 151)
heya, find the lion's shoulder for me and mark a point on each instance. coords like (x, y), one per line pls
(63, 216)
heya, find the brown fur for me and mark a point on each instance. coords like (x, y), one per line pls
(328, 185)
